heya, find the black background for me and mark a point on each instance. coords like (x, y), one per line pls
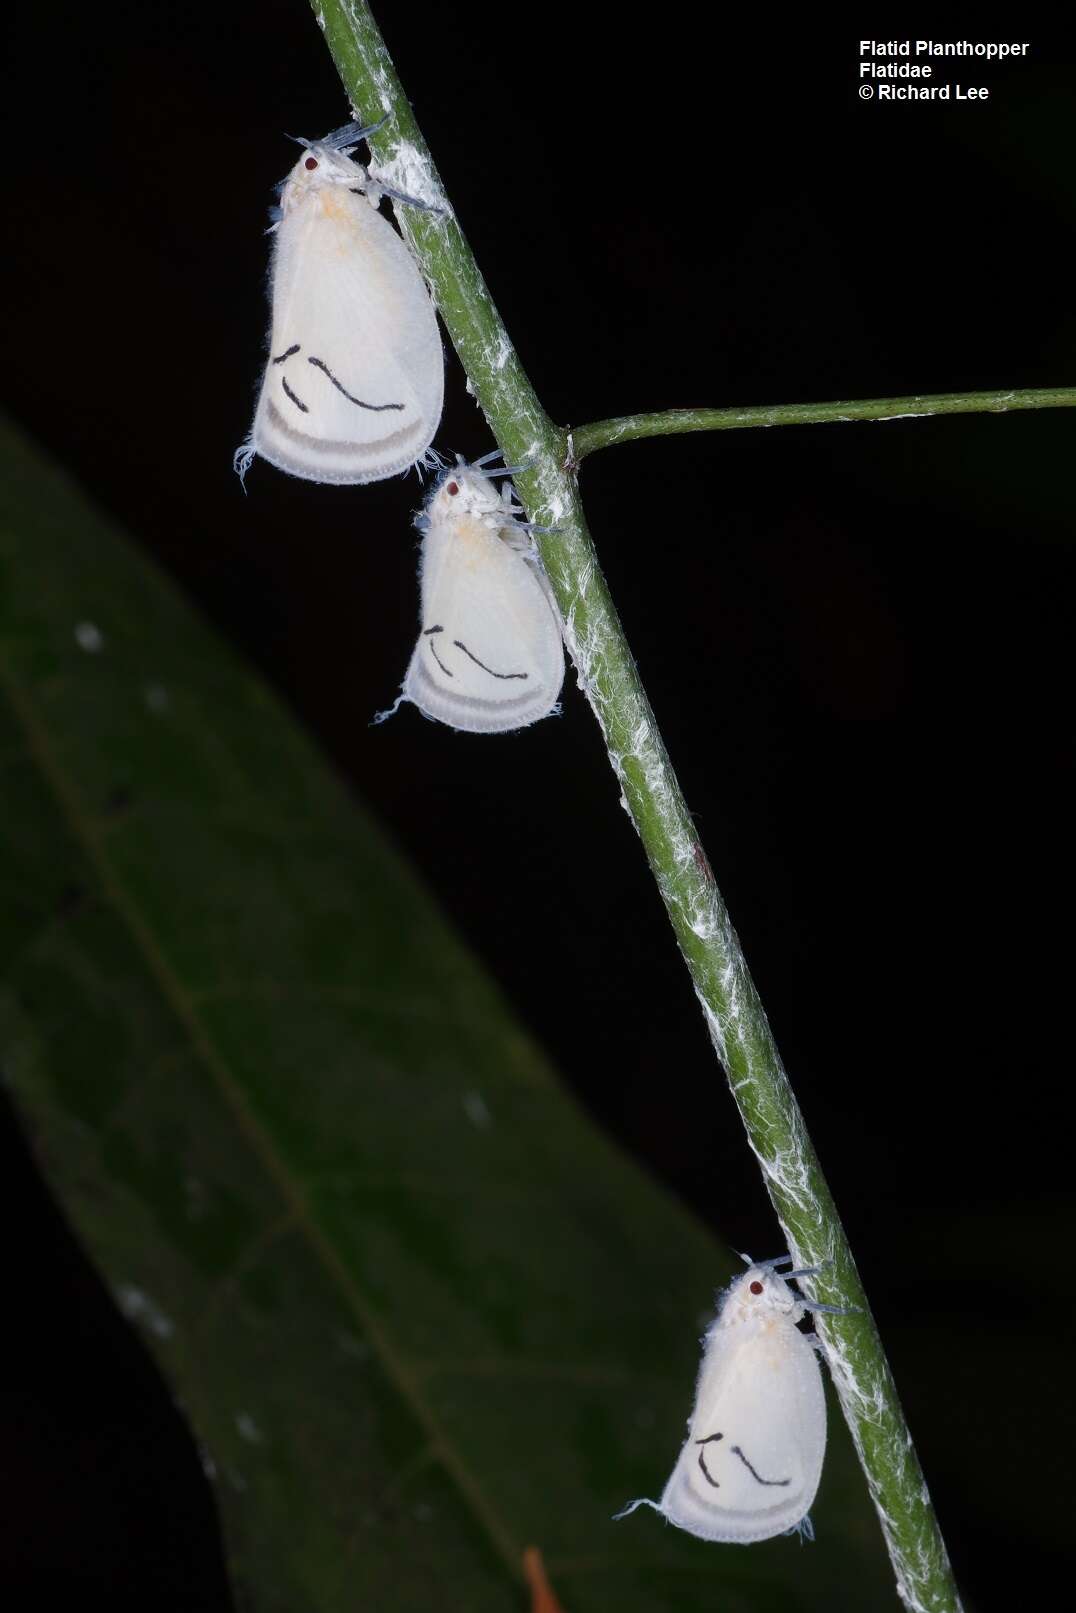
(855, 637)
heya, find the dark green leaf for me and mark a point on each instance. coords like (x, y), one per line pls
(418, 1311)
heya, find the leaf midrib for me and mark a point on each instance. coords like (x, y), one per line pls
(255, 1134)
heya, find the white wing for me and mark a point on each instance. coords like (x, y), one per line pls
(355, 378)
(489, 656)
(753, 1457)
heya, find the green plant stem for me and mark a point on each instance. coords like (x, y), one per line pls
(608, 677)
(670, 422)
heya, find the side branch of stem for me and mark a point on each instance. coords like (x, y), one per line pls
(672, 422)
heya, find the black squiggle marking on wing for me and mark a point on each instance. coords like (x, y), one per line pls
(702, 1459)
(298, 402)
(435, 655)
(288, 354)
(375, 408)
(461, 646)
(736, 1451)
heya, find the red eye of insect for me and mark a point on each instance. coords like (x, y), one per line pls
(453, 488)
(756, 1288)
(311, 162)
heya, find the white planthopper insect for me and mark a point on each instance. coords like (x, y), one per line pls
(750, 1465)
(490, 653)
(354, 382)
